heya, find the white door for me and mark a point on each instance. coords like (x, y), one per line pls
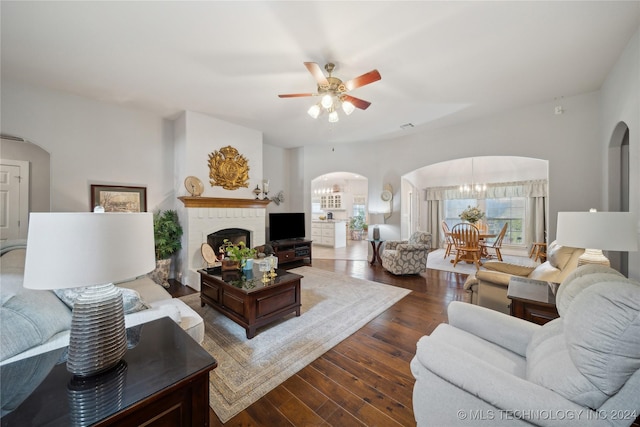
(14, 199)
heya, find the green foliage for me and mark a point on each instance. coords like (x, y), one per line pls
(357, 222)
(167, 233)
(238, 252)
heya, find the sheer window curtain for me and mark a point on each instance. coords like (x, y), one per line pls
(534, 191)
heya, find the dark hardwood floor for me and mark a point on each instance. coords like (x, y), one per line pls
(364, 380)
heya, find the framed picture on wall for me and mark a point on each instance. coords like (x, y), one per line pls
(119, 198)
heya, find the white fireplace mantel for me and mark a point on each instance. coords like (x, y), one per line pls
(220, 202)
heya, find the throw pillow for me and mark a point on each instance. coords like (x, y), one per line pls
(130, 298)
(30, 318)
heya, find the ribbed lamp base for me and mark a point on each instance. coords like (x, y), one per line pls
(98, 336)
(593, 256)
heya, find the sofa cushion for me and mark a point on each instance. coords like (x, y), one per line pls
(149, 291)
(130, 298)
(549, 364)
(602, 329)
(25, 324)
(588, 354)
(558, 256)
(580, 279)
(505, 267)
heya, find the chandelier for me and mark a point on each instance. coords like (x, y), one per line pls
(332, 98)
(474, 187)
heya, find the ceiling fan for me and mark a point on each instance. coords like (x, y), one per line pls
(334, 91)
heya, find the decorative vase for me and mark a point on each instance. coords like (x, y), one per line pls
(247, 264)
(228, 264)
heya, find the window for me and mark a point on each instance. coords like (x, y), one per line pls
(497, 211)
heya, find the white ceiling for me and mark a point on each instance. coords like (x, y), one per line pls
(441, 62)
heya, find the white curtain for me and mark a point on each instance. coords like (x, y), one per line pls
(534, 191)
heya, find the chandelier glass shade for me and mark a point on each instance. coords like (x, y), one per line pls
(474, 188)
(330, 103)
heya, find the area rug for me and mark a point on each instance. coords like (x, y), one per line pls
(437, 261)
(334, 306)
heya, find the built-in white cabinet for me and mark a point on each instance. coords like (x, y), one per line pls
(329, 233)
(332, 201)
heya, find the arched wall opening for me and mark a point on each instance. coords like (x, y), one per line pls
(619, 186)
(419, 213)
(340, 197)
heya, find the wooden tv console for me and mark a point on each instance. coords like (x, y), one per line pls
(292, 250)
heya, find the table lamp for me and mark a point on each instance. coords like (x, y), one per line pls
(597, 231)
(92, 250)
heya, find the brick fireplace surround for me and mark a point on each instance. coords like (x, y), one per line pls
(206, 215)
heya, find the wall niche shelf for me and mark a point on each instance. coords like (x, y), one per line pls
(220, 202)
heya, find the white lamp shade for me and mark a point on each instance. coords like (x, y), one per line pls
(608, 231)
(68, 250)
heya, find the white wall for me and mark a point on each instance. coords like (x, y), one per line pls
(91, 142)
(621, 103)
(569, 141)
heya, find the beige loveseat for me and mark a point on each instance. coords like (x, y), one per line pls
(489, 288)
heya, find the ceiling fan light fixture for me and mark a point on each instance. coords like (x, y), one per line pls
(333, 116)
(327, 101)
(314, 111)
(348, 107)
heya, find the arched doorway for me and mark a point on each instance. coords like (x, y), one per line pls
(339, 215)
(619, 186)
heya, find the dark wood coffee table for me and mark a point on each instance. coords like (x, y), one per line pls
(244, 298)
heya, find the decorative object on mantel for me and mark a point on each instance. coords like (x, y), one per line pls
(279, 198)
(264, 192)
(228, 169)
(222, 202)
(194, 186)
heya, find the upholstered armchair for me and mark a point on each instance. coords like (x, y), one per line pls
(407, 256)
(485, 368)
(488, 288)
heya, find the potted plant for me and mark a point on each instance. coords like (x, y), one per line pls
(471, 214)
(167, 233)
(238, 255)
(357, 225)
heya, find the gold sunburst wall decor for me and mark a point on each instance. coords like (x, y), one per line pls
(228, 169)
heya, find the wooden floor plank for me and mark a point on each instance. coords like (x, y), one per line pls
(365, 380)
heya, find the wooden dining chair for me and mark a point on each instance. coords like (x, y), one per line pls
(448, 239)
(496, 245)
(466, 239)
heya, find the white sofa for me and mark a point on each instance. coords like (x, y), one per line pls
(583, 369)
(34, 321)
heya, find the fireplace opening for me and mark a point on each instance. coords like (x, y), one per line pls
(234, 235)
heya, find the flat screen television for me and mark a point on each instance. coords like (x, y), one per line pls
(286, 226)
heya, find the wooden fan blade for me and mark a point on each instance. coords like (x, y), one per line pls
(365, 79)
(296, 95)
(357, 102)
(317, 73)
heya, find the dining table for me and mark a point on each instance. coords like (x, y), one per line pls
(482, 237)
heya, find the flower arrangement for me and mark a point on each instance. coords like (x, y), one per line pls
(472, 214)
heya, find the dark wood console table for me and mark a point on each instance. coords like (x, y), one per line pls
(292, 250)
(245, 299)
(162, 381)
